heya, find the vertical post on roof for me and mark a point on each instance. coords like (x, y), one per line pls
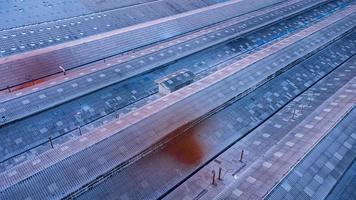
(9, 89)
(219, 175)
(213, 181)
(241, 155)
(80, 130)
(50, 141)
(63, 70)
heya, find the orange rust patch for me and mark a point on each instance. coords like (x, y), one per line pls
(186, 150)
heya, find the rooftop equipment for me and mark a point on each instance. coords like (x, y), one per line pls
(175, 81)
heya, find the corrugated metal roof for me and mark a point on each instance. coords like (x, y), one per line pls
(316, 175)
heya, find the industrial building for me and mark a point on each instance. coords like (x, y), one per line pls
(178, 99)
